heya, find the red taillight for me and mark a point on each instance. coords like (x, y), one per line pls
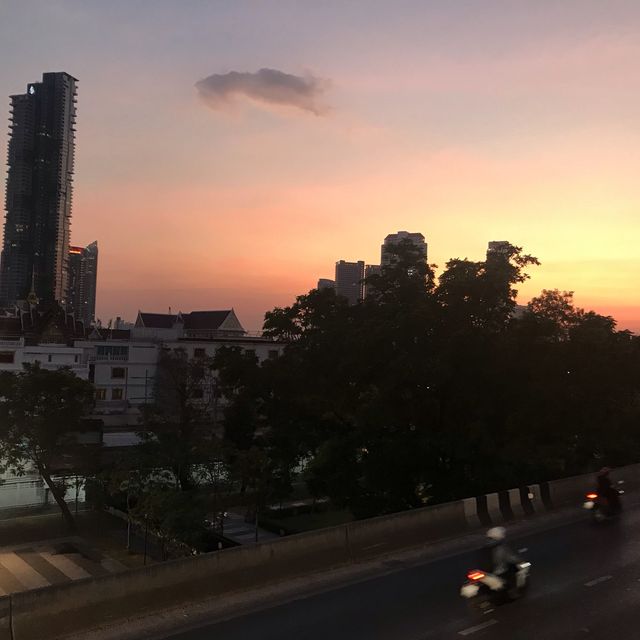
(475, 575)
(592, 496)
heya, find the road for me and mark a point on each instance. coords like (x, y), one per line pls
(585, 584)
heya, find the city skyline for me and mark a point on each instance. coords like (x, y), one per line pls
(280, 155)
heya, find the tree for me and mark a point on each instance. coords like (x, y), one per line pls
(40, 411)
(182, 415)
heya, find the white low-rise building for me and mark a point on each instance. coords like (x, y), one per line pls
(46, 339)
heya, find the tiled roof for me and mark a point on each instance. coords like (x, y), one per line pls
(158, 320)
(205, 320)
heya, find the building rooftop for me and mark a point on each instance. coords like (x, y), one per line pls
(156, 320)
(209, 320)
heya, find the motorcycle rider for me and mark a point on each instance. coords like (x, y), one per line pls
(504, 560)
(607, 490)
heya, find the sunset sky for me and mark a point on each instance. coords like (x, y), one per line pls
(210, 184)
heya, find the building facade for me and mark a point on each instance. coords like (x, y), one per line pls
(417, 239)
(83, 276)
(326, 283)
(45, 337)
(39, 191)
(498, 247)
(350, 280)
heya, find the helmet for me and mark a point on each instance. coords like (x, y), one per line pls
(497, 533)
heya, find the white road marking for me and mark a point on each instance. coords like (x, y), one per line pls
(478, 627)
(22, 571)
(593, 583)
(523, 550)
(64, 563)
(373, 546)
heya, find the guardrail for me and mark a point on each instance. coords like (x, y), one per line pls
(56, 611)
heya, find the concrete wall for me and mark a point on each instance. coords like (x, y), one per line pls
(53, 612)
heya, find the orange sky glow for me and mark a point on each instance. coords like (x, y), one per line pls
(465, 125)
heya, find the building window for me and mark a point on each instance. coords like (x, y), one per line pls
(118, 373)
(7, 357)
(101, 394)
(116, 394)
(250, 352)
(49, 358)
(75, 358)
(199, 352)
(112, 352)
(273, 353)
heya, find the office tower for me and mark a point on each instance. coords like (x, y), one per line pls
(39, 191)
(325, 283)
(83, 274)
(370, 270)
(498, 247)
(349, 280)
(396, 238)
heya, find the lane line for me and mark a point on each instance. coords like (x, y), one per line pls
(373, 546)
(523, 550)
(593, 583)
(478, 627)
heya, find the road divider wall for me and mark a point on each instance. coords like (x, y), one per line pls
(76, 607)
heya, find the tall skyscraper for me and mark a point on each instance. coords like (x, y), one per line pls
(83, 274)
(39, 191)
(395, 238)
(349, 280)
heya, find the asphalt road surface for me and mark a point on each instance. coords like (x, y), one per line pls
(585, 584)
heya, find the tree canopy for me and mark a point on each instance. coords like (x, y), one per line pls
(41, 413)
(428, 391)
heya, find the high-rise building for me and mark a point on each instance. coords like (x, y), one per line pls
(39, 191)
(349, 280)
(370, 270)
(83, 274)
(325, 283)
(498, 247)
(396, 238)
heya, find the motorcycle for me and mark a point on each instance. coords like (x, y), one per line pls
(599, 506)
(484, 590)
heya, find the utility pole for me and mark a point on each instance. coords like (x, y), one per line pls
(146, 532)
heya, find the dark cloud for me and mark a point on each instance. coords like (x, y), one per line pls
(266, 85)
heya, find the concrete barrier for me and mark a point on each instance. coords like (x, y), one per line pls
(5, 618)
(60, 610)
(570, 491)
(368, 538)
(493, 508)
(85, 604)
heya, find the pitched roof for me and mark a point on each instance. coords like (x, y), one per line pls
(156, 320)
(205, 320)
